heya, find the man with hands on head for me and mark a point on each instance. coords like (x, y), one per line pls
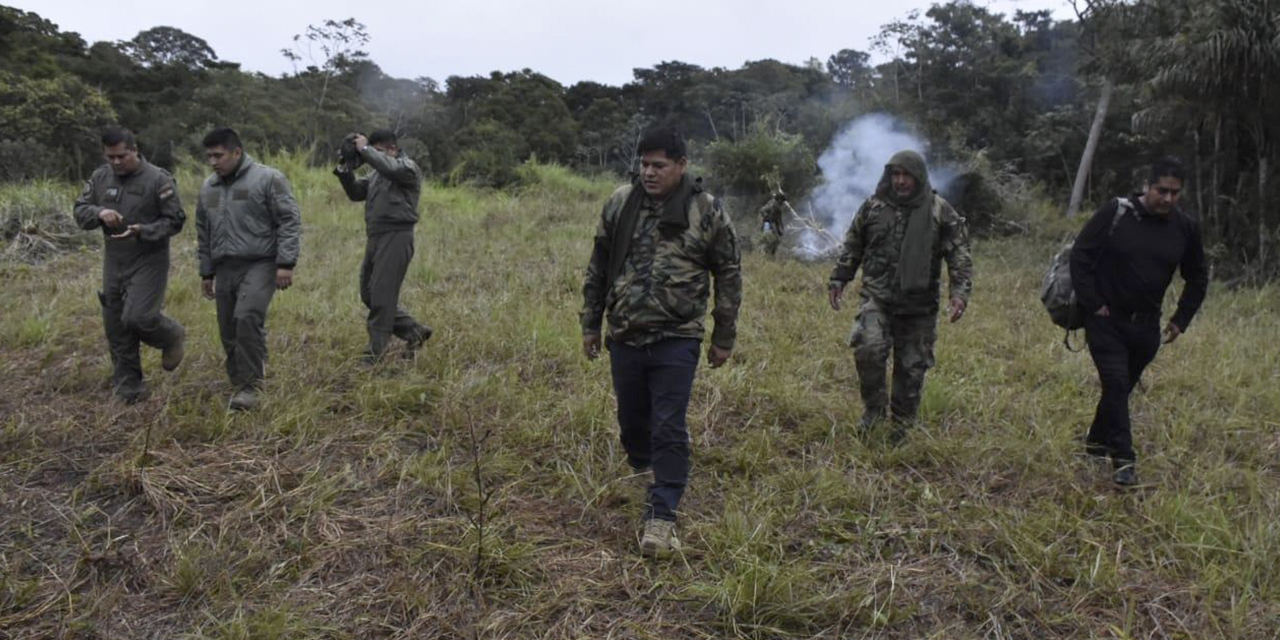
(390, 213)
(900, 238)
(659, 243)
(136, 205)
(248, 230)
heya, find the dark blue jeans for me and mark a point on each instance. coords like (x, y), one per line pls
(1121, 349)
(653, 384)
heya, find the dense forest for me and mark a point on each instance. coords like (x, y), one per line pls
(1006, 97)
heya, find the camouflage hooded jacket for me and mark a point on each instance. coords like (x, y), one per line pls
(875, 240)
(662, 288)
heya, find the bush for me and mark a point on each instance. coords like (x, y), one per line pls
(753, 165)
(25, 159)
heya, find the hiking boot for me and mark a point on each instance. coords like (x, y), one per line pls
(870, 418)
(420, 337)
(245, 399)
(1126, 473)
(171, 357)
(131, 393)
(659, 538)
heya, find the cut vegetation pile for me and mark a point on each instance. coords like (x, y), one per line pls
(36, 224)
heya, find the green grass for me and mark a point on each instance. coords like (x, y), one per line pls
(348, 506)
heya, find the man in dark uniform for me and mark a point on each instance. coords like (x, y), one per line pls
(136, 205)
(248, 231)
(1121, 268)
(390, 213)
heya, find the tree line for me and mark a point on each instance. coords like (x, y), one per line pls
(1022, 93)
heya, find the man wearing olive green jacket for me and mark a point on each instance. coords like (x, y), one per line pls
(390, 213)
(248, 231)
(136, 205)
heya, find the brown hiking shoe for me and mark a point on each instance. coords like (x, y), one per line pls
(171, 357)
(659, 538)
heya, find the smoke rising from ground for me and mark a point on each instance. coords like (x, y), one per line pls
(851, 167)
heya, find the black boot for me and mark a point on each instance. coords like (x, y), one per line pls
(1126, 472)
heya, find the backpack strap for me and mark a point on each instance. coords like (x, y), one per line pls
(1123, 206)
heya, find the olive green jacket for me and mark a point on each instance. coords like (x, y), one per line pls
(250, 215)
(148, 197)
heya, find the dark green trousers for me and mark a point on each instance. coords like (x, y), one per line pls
(386, 261)
(243, 291)
(132, 296)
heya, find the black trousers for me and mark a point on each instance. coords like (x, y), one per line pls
(653, 384)
(1121, 349)
(386, 261)
(132, 296)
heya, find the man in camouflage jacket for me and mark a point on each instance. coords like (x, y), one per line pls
(900, 237)
(136, 205)
(658, 247)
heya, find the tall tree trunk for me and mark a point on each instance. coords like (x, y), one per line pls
(1086, 159)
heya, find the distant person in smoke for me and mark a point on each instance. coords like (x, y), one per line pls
(660, 242)
(390, 197)
(1121, 265)
(900, 237)
(772, 222)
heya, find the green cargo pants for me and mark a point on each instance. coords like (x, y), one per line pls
(243, 290)
(386, 261)
(910, 339)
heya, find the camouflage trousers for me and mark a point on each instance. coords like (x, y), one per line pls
(769, 241)
(909, 338)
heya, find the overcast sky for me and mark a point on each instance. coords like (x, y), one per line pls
(569, 40)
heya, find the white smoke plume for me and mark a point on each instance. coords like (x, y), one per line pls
(851, 167)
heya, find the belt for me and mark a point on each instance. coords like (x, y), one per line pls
(1136, 317)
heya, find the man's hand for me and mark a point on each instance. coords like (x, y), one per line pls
(284, 278)
(111, 218)
(206, 288)
(361, 141)
(718, 356)
(591, 345)
(1103, 311)
(834, 292)
(1171, 332)
(957, 306)
(129, 232)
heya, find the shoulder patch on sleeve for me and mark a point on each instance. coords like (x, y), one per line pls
(166, 192)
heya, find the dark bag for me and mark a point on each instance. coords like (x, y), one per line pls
(1056, 291)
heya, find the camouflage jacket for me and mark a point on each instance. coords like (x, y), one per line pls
(147, 197)
(874, 242)
(662, 289)
(772, 213)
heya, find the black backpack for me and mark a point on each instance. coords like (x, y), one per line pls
(1056, 291)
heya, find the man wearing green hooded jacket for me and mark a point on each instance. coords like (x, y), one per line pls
(900, 237)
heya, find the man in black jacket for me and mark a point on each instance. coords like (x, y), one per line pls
(1121, 266)
(390, 195)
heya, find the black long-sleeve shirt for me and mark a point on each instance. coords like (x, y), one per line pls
(1129, 269)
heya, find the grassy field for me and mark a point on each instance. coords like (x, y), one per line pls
(480, 491)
